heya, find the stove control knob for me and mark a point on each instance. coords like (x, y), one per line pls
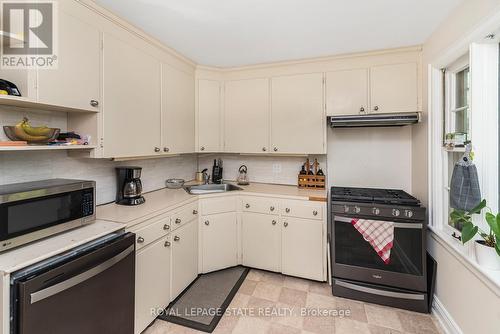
(376, 211)
(346, 209)
(408, 213)
(396, 212)
(357, 209)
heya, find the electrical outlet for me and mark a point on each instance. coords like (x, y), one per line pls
(276, 168)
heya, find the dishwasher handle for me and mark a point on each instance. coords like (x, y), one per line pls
(75, 280)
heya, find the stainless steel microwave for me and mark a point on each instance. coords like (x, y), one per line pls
(34, 210)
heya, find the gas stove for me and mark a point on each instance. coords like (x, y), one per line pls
(373, 195)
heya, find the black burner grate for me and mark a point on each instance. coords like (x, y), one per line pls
(373, 195)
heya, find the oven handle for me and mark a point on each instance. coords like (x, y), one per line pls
(396, 225)
(392, 294)
(71, 282)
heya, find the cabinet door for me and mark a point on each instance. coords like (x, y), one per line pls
(246, 116)
(302, 248)
(152, 282)
(178, 110)
(76, 81)
(347, 92)
(298, 119)
(184, 257)
(261, 241)
(132, 111)
(219, 241)
(209, 116)
(394, 88)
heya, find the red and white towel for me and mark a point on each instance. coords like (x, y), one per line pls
(380, 235)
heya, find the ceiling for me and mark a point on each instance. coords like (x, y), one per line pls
(229, 33)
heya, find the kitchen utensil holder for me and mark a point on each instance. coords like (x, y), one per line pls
(311, 181)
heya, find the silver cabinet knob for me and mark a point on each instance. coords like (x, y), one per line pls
(315, 213)
(202, 148)
(94, 103)
(178, 221)
(287, 210)
(166, 227)
(167, 244)
(264, 149)
(275, 149)
(362, 110)
(247, 206)
(376, 108)
(207, 222)
(274, 222)
(157, 149)
(271, 208)
(166, 149)
(195, 212)
(285, 224)
(140, 240)
(176, 238)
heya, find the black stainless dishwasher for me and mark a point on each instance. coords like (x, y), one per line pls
(88, 290)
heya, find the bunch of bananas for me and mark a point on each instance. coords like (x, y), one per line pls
(24, 131)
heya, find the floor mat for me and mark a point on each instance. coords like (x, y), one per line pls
(203, 303)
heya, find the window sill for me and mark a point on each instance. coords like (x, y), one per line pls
(491, 278)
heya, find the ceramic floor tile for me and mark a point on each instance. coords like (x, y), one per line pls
(383, 316)
(267, 290)
(248, 287)
(226, 325)
(273, 278)
(319, 325)
(348, 326)
(320, 288)
(416, 323)
(254, 275)
(382, 330)
(239, 301)
(296, 283)
(281, 329)
(356, 309)
(293, 317)
(248, 325)
(293, 297)
(261, 308)
(320, 301)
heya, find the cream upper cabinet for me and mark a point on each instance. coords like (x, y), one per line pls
(394, 88)
(76, 81)
(209, 119)
(219, 243)
(297, 114)
(347, 92)
(261, 241)
(246, 116)
(131, 100)
(177, 110)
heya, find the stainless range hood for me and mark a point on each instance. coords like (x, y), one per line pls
(374, 120)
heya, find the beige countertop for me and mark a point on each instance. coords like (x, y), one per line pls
(164, 200)
(37, 251)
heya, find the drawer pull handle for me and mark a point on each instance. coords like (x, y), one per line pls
(176, 238)
(167, 243)
(166, 227)
(285, 224)
(315, 213)
(207, 222)
(271, 208)
(178, 221)
(195, 212)
(287, 210)
(247, 206)
(274, 222)
(94, 103)
(140, 240)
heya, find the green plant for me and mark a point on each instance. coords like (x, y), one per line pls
(469, 230)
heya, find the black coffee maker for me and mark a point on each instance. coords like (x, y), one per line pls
(129, 186)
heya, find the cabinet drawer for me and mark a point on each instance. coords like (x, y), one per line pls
(303, 209)
(185, 215)
(146, 235)
(260, 205)
(212, 206)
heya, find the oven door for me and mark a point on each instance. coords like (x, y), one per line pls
(355, 259)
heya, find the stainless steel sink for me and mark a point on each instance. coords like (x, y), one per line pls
(210, 188)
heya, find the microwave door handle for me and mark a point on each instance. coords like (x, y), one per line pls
(75, 280)
(396, 225)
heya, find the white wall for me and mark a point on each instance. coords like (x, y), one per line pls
(370, 157)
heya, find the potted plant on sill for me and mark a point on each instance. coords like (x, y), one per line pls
(488, 248)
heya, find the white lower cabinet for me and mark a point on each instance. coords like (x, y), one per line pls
(302, 248)
(261, 241)
(152, 282)
(219, 241)
(184, 257)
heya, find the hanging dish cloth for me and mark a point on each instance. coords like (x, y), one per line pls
(465, 193)
(379, 234)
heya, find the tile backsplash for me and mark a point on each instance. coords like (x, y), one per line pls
(264, 169)
(32, 166)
